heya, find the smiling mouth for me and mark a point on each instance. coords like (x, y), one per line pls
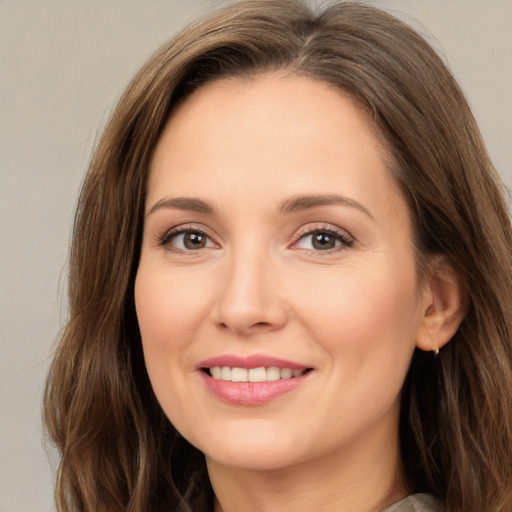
(261, 374)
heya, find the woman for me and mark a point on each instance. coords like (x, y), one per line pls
(290, 280)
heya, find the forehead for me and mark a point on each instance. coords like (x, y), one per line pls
(272, 133)
(272, 98)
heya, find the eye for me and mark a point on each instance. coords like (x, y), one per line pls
(186, 239)
(324, 239)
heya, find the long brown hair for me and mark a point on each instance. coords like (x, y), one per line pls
(118, 450)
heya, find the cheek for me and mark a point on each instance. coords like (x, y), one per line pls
(169, 309)
(168, 316)
(167, 312)
(365, 314)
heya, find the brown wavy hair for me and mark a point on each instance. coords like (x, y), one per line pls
(118, 450)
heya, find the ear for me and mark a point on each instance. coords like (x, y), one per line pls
(444, 305)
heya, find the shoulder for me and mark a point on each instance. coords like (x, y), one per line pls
(415, 503)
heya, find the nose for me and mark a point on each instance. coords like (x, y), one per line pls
(249, 298)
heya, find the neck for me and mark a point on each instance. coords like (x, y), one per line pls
(365, 477)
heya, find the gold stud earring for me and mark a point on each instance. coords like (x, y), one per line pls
(436, 351)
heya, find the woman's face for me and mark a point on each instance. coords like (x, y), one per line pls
(276, 246)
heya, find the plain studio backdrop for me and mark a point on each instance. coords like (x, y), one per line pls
(63, 64)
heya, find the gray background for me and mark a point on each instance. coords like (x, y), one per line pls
(63, 63)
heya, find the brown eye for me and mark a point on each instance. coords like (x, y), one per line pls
(322, 241)
(194, 240)
(185, 240)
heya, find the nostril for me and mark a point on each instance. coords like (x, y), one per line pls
(260, 324)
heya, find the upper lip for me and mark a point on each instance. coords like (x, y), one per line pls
(250, 361)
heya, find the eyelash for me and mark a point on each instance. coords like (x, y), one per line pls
(346, 241)
(168, 236)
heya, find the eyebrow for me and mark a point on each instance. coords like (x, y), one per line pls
(300, 203)
(183, 203)
(291, 205)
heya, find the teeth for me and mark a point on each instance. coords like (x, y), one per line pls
(262, 374)
(239, 375)
(286, 373)
(273, 373)
(257, 375)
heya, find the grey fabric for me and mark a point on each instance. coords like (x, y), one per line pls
(415, 503)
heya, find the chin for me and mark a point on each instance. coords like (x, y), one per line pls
(255, 448)
(256, 459)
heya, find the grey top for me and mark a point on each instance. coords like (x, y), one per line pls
(415, 503)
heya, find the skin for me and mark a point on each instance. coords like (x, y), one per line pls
(353, 313)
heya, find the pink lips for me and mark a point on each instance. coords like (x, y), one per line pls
(252, 361)
(250, 393)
